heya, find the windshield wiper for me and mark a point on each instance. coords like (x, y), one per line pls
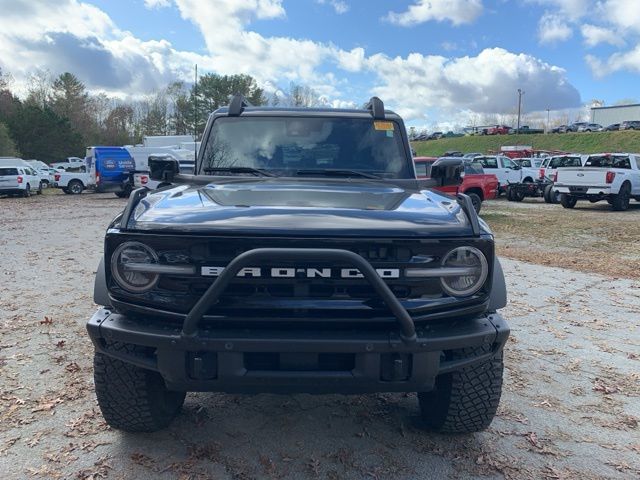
(255, 171)
(332, 172)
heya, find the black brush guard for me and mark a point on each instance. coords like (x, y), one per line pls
(213, 293)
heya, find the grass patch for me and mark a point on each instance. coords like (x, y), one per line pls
(626, 141)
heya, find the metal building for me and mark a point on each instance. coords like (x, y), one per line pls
(615, 114)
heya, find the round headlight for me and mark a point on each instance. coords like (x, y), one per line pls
(128, 267)
(469, 270)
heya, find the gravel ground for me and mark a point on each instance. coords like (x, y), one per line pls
(570, 407)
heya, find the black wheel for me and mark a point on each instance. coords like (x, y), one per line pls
(464, 401)
(126, 191)
(75, 187)
(27, 191)
(514, 195)
(547, 194)
(66, 190)
(131, 398)
(551, 195)
(620, 202)
(39, 192)
(476, 200)
(568, 201)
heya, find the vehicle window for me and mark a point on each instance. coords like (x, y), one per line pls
(8, 171)
(525, 163)
(423, 169)
(638, 162)
(285, 145)
(474, 168)
(486, 162)
(606, 161)
(507, 163)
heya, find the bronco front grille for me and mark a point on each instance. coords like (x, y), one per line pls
(290, 298)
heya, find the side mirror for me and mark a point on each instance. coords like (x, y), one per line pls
(447, 171)
(163, 168)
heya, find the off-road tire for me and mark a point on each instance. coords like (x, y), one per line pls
(620, 202)
(466, 400)
(75, 187)
(476, 201)
(568, 201)
(131, 398)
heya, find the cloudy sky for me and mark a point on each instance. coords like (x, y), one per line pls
(431, 60)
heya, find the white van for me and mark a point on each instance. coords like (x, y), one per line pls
(18, 178)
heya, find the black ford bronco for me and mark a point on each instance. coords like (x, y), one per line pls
(302, 256)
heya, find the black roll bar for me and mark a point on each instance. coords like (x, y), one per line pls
(211, 296)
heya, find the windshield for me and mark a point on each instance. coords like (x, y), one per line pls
(288, 145)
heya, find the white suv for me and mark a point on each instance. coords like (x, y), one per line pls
(19, 180)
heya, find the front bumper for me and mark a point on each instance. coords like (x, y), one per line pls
(289, 361)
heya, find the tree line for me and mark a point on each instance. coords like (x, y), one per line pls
(58, 117)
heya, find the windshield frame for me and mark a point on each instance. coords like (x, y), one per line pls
(408, 173)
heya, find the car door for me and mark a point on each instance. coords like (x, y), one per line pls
(490, 165)
(635, 175)
(510, 171)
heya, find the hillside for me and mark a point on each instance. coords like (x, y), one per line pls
(627, 141)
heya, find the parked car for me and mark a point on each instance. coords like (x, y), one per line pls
(497, 130)
(560, 129)
(614, 177)
(74, 182)
(45, 171)
(526, 130)
(549, 169)
(590, 127)
(614, 127)
(436, 136)
(18, 178)
(630, 125)
(472, 155)
(505, 169)
(575, 126)
(70, 163)
(453, 153)
(475, 183)
(111, 169)
(317, 274)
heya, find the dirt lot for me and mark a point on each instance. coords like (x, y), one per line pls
(570, 408)
(589, 238)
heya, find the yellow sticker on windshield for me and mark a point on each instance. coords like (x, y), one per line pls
(388, 126)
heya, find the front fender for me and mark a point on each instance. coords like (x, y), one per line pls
(100, 292)
(498, 298)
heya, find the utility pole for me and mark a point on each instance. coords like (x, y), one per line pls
(520, 93)
(195, 106)
(548, 129)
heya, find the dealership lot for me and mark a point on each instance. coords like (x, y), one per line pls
(570, 407)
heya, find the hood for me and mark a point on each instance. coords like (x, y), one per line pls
(314, 207)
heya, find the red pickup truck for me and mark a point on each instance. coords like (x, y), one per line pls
(477, 184)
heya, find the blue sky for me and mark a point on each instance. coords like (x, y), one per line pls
(434, 61)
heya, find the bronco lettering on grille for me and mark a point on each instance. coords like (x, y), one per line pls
(294, 272)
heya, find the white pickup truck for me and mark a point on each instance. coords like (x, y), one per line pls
(502, 167)
(614, 177)
(73, 183)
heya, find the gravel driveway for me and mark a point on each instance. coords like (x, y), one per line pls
(570, 409)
